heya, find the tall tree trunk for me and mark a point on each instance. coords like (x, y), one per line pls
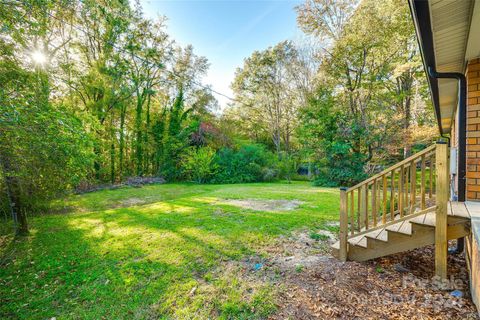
(276, 140)
(14, 197)
(98, 146)
(138, 135)
(112, 151)
(43, 88)
(96, 163)
(122, 140)
(287, 137)
(146, 151)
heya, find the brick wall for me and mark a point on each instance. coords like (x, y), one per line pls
(473, 130)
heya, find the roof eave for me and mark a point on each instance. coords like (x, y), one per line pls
(420, 12)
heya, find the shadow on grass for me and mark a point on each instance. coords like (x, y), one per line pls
(137, 262)
(60, 272)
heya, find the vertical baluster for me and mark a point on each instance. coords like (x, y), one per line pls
(407, 198)
(366, 206)
(413, 185)
(374, 202)
(422, 186)
(359, 210)
(379, 204)
(352, 211)
(392, 195)
(384, 189)
(400, 191)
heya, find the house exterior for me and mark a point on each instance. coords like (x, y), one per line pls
(449, 38)
(434, 195)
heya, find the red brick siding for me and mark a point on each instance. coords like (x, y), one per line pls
(473, 130)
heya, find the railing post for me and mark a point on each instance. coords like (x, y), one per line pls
(442, 197)
(343, 224)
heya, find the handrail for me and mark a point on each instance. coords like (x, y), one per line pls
(394, 167)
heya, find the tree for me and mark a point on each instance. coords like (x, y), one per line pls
(149, 49)
(44, 150)
(325, 138)
(371, 75)
(43, 146)
(112, 92)
(265, 93)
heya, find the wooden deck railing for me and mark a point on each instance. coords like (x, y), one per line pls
(395, 194)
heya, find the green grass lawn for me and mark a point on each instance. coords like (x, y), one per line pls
(153, 252)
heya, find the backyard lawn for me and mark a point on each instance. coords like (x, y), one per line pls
(160, 251)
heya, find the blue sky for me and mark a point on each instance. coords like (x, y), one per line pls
(226, 32)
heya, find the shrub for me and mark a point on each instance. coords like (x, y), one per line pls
(287, 167)
(340, 169)
(249, 164)
(269, 174)
(198, 164)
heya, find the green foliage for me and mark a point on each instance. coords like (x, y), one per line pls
(250, 163)
(44, 149)
(123, 99)
(287, 166)
(175, 139)
(375, 82)
(100, 107)
(327, 139)
(198, 164)
(341, 166)
(47, 149)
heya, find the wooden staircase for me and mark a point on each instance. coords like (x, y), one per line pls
(414, 232)
(402, 208)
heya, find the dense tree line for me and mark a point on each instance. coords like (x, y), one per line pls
(350, 103)
(93, 92)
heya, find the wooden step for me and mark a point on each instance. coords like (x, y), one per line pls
(427, 219)
(380, 235)
(359, 241)
(403, 227)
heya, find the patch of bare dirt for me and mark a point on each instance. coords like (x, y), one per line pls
(300, 251)
(314, 285)
(130, 202)
(265, 205)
